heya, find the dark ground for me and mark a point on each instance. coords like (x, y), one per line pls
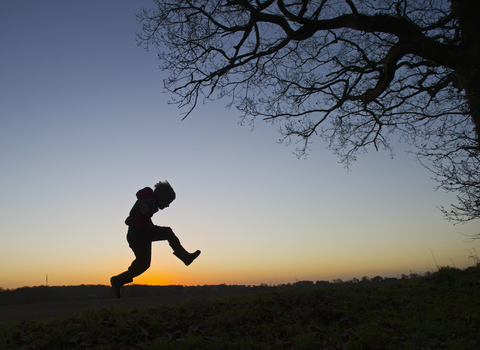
(55, 309)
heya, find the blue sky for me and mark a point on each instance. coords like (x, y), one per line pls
(84, 124)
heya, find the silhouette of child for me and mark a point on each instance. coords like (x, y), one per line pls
(142, 232)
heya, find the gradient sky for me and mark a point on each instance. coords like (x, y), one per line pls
(84, 124)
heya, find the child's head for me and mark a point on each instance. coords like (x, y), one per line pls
(164, 192)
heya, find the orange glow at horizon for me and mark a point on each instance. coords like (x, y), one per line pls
(154, 281)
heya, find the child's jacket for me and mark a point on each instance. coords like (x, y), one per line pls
(137, 218)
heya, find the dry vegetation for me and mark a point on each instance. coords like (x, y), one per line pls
(440, 310)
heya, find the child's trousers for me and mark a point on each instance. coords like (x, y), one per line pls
(140, 240)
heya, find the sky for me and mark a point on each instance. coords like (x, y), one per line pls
(85, 124)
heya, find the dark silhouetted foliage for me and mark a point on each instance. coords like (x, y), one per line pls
(357, 73)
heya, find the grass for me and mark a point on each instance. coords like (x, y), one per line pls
(440, 310)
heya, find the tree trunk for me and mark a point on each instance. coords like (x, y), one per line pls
(468, 64)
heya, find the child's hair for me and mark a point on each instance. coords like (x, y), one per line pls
(164, 190)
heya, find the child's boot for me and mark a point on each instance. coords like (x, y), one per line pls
(185, 256)
(118, 281)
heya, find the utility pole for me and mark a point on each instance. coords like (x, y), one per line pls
(47, 279)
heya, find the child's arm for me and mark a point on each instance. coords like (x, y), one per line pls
(144, 208)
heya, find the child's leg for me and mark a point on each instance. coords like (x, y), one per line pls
(142, 248)
(118, 281)
(159, 233)
(143, 256)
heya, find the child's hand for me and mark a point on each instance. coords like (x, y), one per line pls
(144, 209)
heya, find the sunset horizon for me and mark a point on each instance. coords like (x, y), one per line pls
(85, 124)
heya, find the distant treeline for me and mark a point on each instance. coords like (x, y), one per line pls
(44, 294)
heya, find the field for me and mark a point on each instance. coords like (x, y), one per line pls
(440, 310)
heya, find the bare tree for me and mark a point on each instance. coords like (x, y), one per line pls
(357, 73)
